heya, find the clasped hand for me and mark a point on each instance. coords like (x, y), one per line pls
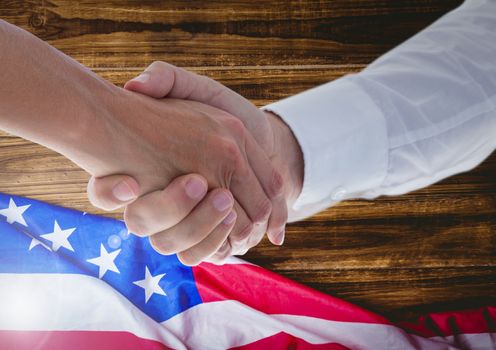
(198, 168)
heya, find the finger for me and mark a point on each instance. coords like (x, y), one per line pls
(272, 184)
(240, 247)
(160, 210)
(112, 192)
(196, 226)
(219, 258)
(243, 183)
(213, 242)
(277, 222)
(244, 227)
(253, 240)
(247, 190)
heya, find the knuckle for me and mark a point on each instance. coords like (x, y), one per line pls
(188, 258)
(242, 234)
(161, 244)
(96, 195)
(242, 251)
(135, 222)
(254, 240)
(256, 236)
(224, 251)
(236, 127)
(237, 248)
(222, 144)
(97, 202)
(231, 151)
(231, 155)
(263, 212)
(276, 184)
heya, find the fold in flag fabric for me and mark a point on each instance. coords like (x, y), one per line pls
(74, 281)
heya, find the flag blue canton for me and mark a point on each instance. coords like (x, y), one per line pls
(37, 237)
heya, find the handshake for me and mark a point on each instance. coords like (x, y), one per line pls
(199, 169)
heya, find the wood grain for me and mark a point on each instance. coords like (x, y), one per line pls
(399, 256)
(223, 33)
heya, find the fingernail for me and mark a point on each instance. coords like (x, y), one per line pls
(123, 192)
(222, 201)
(195, 188)
(279, 240)
(229, 218)
(142, 78)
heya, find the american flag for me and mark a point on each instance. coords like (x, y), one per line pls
(71, 280)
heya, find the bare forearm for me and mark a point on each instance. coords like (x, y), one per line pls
(47, 97)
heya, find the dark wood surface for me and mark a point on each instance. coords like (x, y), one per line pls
(399, 256)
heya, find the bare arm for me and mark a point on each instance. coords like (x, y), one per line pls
(53, 100)
(45, 96)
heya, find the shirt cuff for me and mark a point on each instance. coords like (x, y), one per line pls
(343, 137)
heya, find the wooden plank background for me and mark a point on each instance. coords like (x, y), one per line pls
(435, 248)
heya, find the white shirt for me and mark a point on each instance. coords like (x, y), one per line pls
(424, 111)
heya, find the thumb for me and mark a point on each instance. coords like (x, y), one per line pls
(157, 80)
(112, 192)
(161, 79)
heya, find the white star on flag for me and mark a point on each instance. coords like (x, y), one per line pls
(105, 261)
(150, 284)
(14, 213)
(35, 242)
(59, 237)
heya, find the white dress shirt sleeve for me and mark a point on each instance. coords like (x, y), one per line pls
(424, 111)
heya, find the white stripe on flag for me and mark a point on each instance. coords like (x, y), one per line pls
(47, 302)
(231, 317)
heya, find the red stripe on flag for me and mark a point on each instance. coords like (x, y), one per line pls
(270, 293)
(75, 340)
(286, 341)
(445, 324)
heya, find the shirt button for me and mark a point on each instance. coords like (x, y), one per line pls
(338, 194)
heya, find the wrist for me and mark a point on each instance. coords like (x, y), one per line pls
(288, 157)
(95, 104)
